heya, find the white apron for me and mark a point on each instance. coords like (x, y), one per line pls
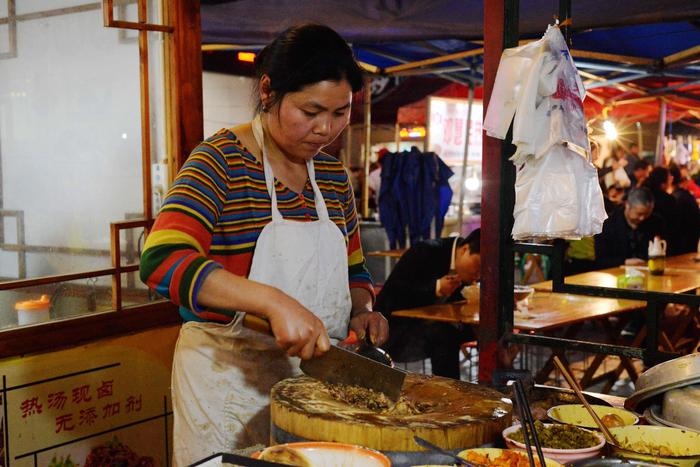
(222, 373)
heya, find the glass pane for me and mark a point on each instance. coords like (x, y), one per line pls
(134, 292)
(70, 141)
(25, 306)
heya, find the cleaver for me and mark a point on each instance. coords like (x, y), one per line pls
(340, 366)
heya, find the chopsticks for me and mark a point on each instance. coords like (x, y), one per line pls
(574, 385)
(526, 422)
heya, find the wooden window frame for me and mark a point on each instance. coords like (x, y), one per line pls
(184, 130)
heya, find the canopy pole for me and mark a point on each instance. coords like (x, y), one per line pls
(460, 213)
(367, 99)
(497, 201)
(660, 146)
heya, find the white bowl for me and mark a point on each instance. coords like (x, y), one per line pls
(560, 455)
(330, 454)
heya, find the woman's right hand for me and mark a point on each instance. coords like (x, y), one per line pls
(296, 329)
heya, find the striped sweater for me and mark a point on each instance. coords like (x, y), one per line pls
(215, 211)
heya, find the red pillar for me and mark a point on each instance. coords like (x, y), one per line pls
(492, 201)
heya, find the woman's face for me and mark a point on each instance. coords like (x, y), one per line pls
(303, 122)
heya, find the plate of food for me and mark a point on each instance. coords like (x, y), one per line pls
(657, 444)
(562, 443)
(501, 458)
(576, 414)
(323, 454)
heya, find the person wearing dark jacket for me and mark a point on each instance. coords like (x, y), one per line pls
(430, 272)
(688, 214)
(626, 233)
(659, 181)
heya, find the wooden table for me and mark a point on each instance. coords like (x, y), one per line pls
(546, 311)
(388, 253)
(681, 275)
(673, 280)
(686, 261)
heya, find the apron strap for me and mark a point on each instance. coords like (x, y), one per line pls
(319, 202)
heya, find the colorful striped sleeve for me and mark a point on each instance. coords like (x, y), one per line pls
(174, 261)
(357, 269)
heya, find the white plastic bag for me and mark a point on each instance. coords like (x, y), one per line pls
(556, 190)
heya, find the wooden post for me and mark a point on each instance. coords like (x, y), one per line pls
(660, 146)
(367, 99)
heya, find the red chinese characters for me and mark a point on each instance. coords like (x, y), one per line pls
(81, 394)
(105, 389)
(64, 423)
(133, 404)
(31, 407)
(57, 400)
(88, 416)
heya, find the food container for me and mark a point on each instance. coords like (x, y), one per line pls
(673, 374)
(493, 453)
(682, 406)
(33, 311)
(577, 415)
(559, 455)
(670, 445)
(328, 454)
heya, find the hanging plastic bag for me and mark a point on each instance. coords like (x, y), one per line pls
(556, 190)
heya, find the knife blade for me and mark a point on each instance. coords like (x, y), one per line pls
(340, 366)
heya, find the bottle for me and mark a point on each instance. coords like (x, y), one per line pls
(657, 256)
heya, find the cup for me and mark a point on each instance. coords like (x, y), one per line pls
(33, 311)
(657, 264)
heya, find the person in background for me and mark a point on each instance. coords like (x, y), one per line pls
(640, 172)
(374, 181)
(688, 182)
(430, 272)
(614, 197)
(659, 183)
(614, 168)
(632, 158)
(688, 213)
(626, 233)
(259, 221)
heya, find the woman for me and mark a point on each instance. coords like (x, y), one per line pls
(260, 221)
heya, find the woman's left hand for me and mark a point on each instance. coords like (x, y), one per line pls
(371, 322)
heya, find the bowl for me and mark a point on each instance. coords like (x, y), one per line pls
(521, 292)
(559, 455)
(631, 441)
(576, 414)
(494, 453)
(328, 454)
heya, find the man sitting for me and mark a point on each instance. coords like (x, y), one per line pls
(430, 272)
(627, 232)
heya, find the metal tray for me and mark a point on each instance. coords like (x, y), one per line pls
(653, 416)
(665, 376)
(612, 461)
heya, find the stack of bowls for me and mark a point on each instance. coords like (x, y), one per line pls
(669, 393)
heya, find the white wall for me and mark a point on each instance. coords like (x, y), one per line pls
(228, 101)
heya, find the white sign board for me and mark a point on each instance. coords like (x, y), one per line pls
(447, 129)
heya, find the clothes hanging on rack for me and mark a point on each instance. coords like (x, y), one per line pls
(414, 195)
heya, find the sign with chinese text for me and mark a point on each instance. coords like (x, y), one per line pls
(83, 405)
(447, 129)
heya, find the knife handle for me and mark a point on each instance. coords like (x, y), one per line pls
(258, 324)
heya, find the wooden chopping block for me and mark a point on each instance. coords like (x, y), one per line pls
(456, 415)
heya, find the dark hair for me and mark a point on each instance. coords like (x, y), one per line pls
(474, 241)
(640, 196)
(641, 164)
(304, 55)
(675, 172)
(657, 177)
